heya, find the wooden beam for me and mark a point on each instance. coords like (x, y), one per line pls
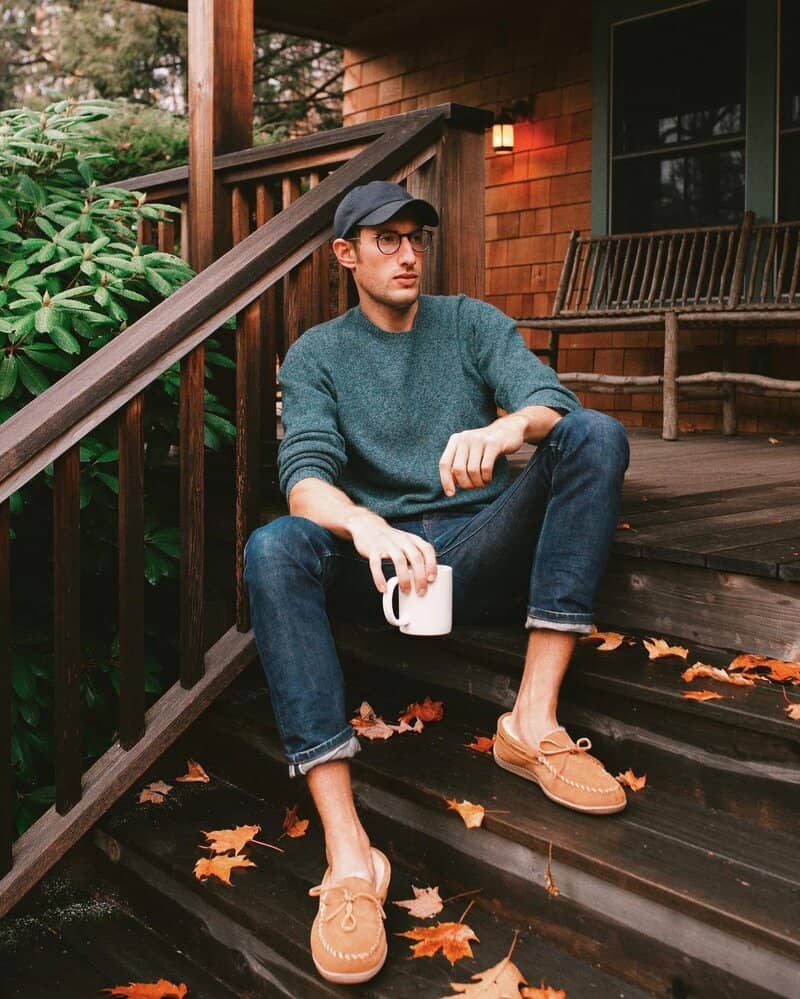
(220, 115)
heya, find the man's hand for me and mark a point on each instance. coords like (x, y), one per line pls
(468, 460)
(414, 558)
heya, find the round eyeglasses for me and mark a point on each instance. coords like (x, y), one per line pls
(389, 242)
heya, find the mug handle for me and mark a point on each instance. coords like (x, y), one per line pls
(388, 610)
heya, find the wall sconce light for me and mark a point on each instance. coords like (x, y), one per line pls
(503, 133)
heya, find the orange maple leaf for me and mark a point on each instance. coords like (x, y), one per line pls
(427, 711)
(162, 989)
(292, 826)
(471, 814)
(629, 779)
(194, 773)
(543, 992)
(701, 695)
(501, 980)
(657, 648)
(223, 840)
(608, 640)
(155, 793)
(219, 867)
(425, 904)
(793, 711)
(775, 669)
(452, 939)
(481, 744)
(714, 673)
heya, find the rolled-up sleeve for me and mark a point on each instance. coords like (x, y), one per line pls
(312, 445)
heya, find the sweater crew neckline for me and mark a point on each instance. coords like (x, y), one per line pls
(391, 335)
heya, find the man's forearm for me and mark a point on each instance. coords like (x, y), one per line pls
(327, 506)
(536, 422)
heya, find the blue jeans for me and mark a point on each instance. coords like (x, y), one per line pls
(536, 554)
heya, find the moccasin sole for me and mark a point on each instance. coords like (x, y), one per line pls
(527, 775)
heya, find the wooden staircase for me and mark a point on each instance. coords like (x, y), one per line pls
(693, 891)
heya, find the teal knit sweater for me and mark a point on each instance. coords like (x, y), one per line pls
(371, 411)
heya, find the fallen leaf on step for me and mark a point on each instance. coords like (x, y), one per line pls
(225, 840)
(370, 725)
(607, 640)
(405, 727)
(624, 526)
(162, 989)
(471, 814)
(714, 673)
(194, 773)
(657, 648)
(453, 939)
(481, 744)
(793, 711)
(501, 981)
(766, 669)
(219, 867)
(543, 992)
(426, 903)
(292, 826)
(773, 440)
(629, 779)
(701, 695)
(154, 793)
(549, 881)
(427, 711)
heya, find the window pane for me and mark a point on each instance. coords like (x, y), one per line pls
(789, 187)
(790, 64)
(679, 81)
(664, 192)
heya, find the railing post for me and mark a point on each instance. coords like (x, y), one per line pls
(453, 181)
(6, 829)
(66, 551)
(670, 415)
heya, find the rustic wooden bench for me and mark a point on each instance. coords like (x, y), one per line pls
(724, 277)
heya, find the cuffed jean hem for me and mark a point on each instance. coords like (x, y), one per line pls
(558, 622)
(326, 753)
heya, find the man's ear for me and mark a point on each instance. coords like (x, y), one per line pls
(345, 252)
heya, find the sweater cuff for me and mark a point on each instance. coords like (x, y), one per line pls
(555, 399)
(305, 473)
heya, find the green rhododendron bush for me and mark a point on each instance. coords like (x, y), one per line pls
(73, 278)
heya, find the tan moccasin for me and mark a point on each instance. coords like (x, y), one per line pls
(563, 769)
(348, 939)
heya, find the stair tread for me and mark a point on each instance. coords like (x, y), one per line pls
(80, 942)
(626, 670)
(271, 900)
(714, 865)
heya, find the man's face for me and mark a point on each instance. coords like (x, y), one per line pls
(388, 280)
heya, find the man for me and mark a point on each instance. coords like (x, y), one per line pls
(393, 460)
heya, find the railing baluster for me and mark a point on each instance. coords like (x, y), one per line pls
(6, 827)
(634, 269)
(166, 234)
(640, 297)
(782, 265)
(290, 192)
(768, 264)
(131, 573)
(192, 511)
(584, 247)
(662, 294)
(698, 291)
(688, 272)
(651, 292)
(184, 230)
(321, 299)
(713, 267)
(270, 329)
(795, 269)
(66, 557)
(678, 262)
(751, 283)
(145, 232)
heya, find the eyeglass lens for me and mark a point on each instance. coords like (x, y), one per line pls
(389, 242)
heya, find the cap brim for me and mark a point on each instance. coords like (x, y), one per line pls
(426, 213)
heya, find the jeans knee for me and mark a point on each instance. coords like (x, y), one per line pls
(284, 540)
(604, 437)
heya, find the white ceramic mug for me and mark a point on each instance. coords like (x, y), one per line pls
(429, 614)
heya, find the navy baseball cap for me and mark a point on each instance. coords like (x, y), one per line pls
(376, 202)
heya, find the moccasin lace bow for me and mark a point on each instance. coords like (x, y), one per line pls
(349, 922)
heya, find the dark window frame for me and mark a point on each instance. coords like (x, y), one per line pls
(761, 97)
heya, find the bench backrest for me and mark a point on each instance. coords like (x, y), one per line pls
(740, 266)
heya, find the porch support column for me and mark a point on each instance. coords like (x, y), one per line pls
(454, 184)
(220, 115)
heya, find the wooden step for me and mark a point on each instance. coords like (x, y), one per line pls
(717, 899)
(73, 937)
(740, 754)
(264, 919)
